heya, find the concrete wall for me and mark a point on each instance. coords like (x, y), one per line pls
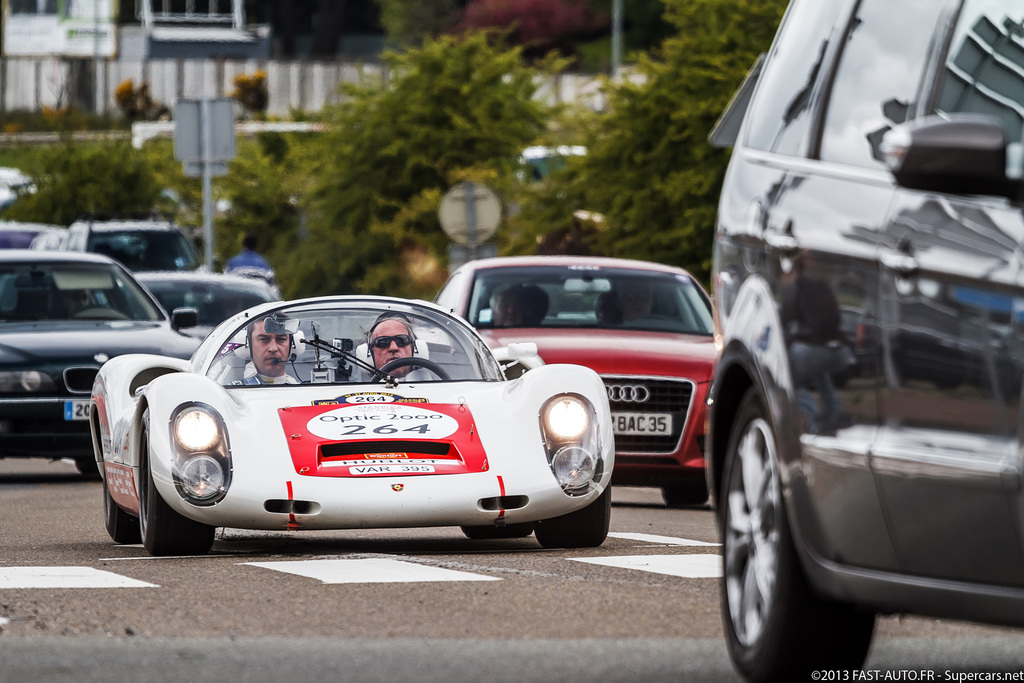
(34, 83)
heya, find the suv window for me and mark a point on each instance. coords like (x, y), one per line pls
(878, 75)
(784, 94)
(984, 72)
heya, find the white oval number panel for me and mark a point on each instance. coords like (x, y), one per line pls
(382, 421)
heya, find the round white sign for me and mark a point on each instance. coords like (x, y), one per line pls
(382, 421)
(454, 213)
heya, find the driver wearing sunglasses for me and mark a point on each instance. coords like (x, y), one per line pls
(391, 337)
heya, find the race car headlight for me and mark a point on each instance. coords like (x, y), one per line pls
(202, 458)
(571, 440)
(27, 381)
(195, 429)
(202, 477)
(574, 467)
(566, 417)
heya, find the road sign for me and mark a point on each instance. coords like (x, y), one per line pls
(189, 129)
(470, 213)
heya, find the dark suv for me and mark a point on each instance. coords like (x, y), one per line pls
(139, 244)
(865, 427)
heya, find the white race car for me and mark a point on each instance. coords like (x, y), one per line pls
(349, 412)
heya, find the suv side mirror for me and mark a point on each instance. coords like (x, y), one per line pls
(961, 154)
(184, 317)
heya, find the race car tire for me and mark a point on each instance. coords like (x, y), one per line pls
(413, 361)
(584, 528)
(684, 493)
(164, 531)
(488, 533)
(122, 527)
(776, 627)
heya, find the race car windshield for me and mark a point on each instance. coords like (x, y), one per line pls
(351, 344)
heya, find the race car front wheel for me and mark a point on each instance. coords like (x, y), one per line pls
(164, 531)
(585, 528)
(776, 626)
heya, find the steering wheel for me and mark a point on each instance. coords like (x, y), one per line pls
(414, 361)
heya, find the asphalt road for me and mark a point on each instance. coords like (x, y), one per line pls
(393, 605)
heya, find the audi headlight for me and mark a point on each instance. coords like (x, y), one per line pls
(566, 417)
(196, 430)
(25, 381)
(202, 458)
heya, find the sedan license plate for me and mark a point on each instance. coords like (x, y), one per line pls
(77, 409)
(634, 424)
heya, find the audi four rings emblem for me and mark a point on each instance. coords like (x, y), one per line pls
(628, 393)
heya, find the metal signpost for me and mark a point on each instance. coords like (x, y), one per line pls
(204, 141)
(469, 214)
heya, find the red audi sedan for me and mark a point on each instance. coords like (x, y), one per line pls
(646, 328)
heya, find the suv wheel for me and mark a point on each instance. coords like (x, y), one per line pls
(776, 627)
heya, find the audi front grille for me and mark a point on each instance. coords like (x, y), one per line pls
(647, 395)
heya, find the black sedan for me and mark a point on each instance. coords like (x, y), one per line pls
(216, 296)
(62, 315)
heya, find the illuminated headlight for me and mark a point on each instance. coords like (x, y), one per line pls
(196, 430)
(572, 442)
(202, 477)
(566, 418)
(30, 381)
(202, 457)
(574, 467)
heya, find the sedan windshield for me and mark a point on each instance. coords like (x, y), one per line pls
(589, 297)
(71, 291)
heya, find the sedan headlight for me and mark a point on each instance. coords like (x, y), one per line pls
(570, 430)
(26, 381)
(202, 459)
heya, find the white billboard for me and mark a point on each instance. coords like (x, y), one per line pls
(62, 28)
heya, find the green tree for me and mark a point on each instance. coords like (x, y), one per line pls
(649, 169)
(410, 22)
(456, 109)
(76, 179)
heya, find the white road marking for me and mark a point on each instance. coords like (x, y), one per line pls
(664, 540)
(686, 566)
(65, 577)
(369, 570)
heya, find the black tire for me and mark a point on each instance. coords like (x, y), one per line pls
(685, 493)
(776, 628)
(122, 527)
(585, 528)
(87, 467)
(489, 533)
(165, 532)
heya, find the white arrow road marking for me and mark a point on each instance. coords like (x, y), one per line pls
(369, 570)
(686, 566)
(66, 577)
(664, 540)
